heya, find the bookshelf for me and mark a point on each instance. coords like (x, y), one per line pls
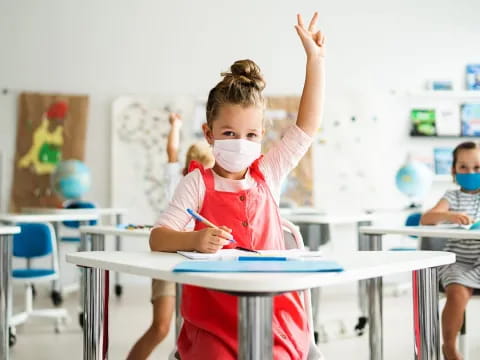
(445, 94)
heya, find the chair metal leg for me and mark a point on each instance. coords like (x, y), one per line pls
(95, 314)
(425, 314)
(118, 247)
(462, 339)
(57, 284)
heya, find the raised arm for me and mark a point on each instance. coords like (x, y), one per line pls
(311, 103)
(173, 140)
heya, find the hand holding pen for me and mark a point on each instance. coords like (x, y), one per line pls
(212, 238)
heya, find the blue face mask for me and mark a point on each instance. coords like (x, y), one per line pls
(469, 182)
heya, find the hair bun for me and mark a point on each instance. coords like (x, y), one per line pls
(246, 73)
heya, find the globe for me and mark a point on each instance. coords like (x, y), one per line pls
(414, 179)
(71, 179)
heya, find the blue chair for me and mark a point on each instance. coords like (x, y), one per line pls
(76, 224)
(412, 220)
(36, 240)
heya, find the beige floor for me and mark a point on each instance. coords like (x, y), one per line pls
(130, 315)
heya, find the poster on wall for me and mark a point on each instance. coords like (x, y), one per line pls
(50, 127)
(297, 189)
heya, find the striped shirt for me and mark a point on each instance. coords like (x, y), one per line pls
(466, 269)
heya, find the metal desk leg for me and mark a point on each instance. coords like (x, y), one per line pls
(255, 337)
(314, 244)
(95, 330)
(5, 293)
(83, 246)
(118, 247)
(375, 305)
(362, 284)
(375, 314)
(97, 244)
(178, 313)
(425, 314)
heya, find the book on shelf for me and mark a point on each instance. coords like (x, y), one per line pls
(470, 116)
(443, 158)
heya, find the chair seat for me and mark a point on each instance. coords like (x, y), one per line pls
(70, 239)
(32, 273)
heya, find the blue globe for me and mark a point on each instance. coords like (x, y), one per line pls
(71, 179)
(414, 179)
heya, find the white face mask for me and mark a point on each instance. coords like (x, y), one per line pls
(235, 155)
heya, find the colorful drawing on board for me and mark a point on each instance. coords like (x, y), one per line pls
(45, 152)
(49, 128)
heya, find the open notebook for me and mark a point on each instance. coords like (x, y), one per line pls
(235, 254)
(474, 226)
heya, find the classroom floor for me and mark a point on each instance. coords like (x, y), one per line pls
(130, 315)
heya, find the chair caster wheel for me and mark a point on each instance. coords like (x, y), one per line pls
(360, 327)
(12, 338)
(57, 298)
(118, 290)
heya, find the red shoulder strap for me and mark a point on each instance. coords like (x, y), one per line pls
(255, 170)
(206, 173)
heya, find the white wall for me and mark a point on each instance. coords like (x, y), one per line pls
(116, 47)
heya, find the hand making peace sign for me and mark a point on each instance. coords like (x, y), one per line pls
(312, 39)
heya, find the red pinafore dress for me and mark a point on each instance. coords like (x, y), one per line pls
(210, 317)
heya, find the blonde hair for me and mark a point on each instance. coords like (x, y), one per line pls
(243, 85)
(200, 152)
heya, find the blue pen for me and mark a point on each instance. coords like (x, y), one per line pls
(200, 218)
(262, 258)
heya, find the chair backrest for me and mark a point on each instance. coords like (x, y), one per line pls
(77, 204)
(293, 240)
(413, 219)
(35, 240)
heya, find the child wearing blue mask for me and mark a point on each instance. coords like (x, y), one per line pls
(461, 207)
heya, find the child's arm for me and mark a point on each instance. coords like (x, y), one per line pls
(168, 235)
(173, 139)
(208, 240)
(439, 213)
(311, 103)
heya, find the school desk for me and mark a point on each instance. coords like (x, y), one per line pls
(256, 290)
(54, 219)
(100, 212)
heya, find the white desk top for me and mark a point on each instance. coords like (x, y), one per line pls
(423, 231)
(328, 218)
(15, 218)
(113, 230)
(9, 230)
(98, 211)
(358, 266)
